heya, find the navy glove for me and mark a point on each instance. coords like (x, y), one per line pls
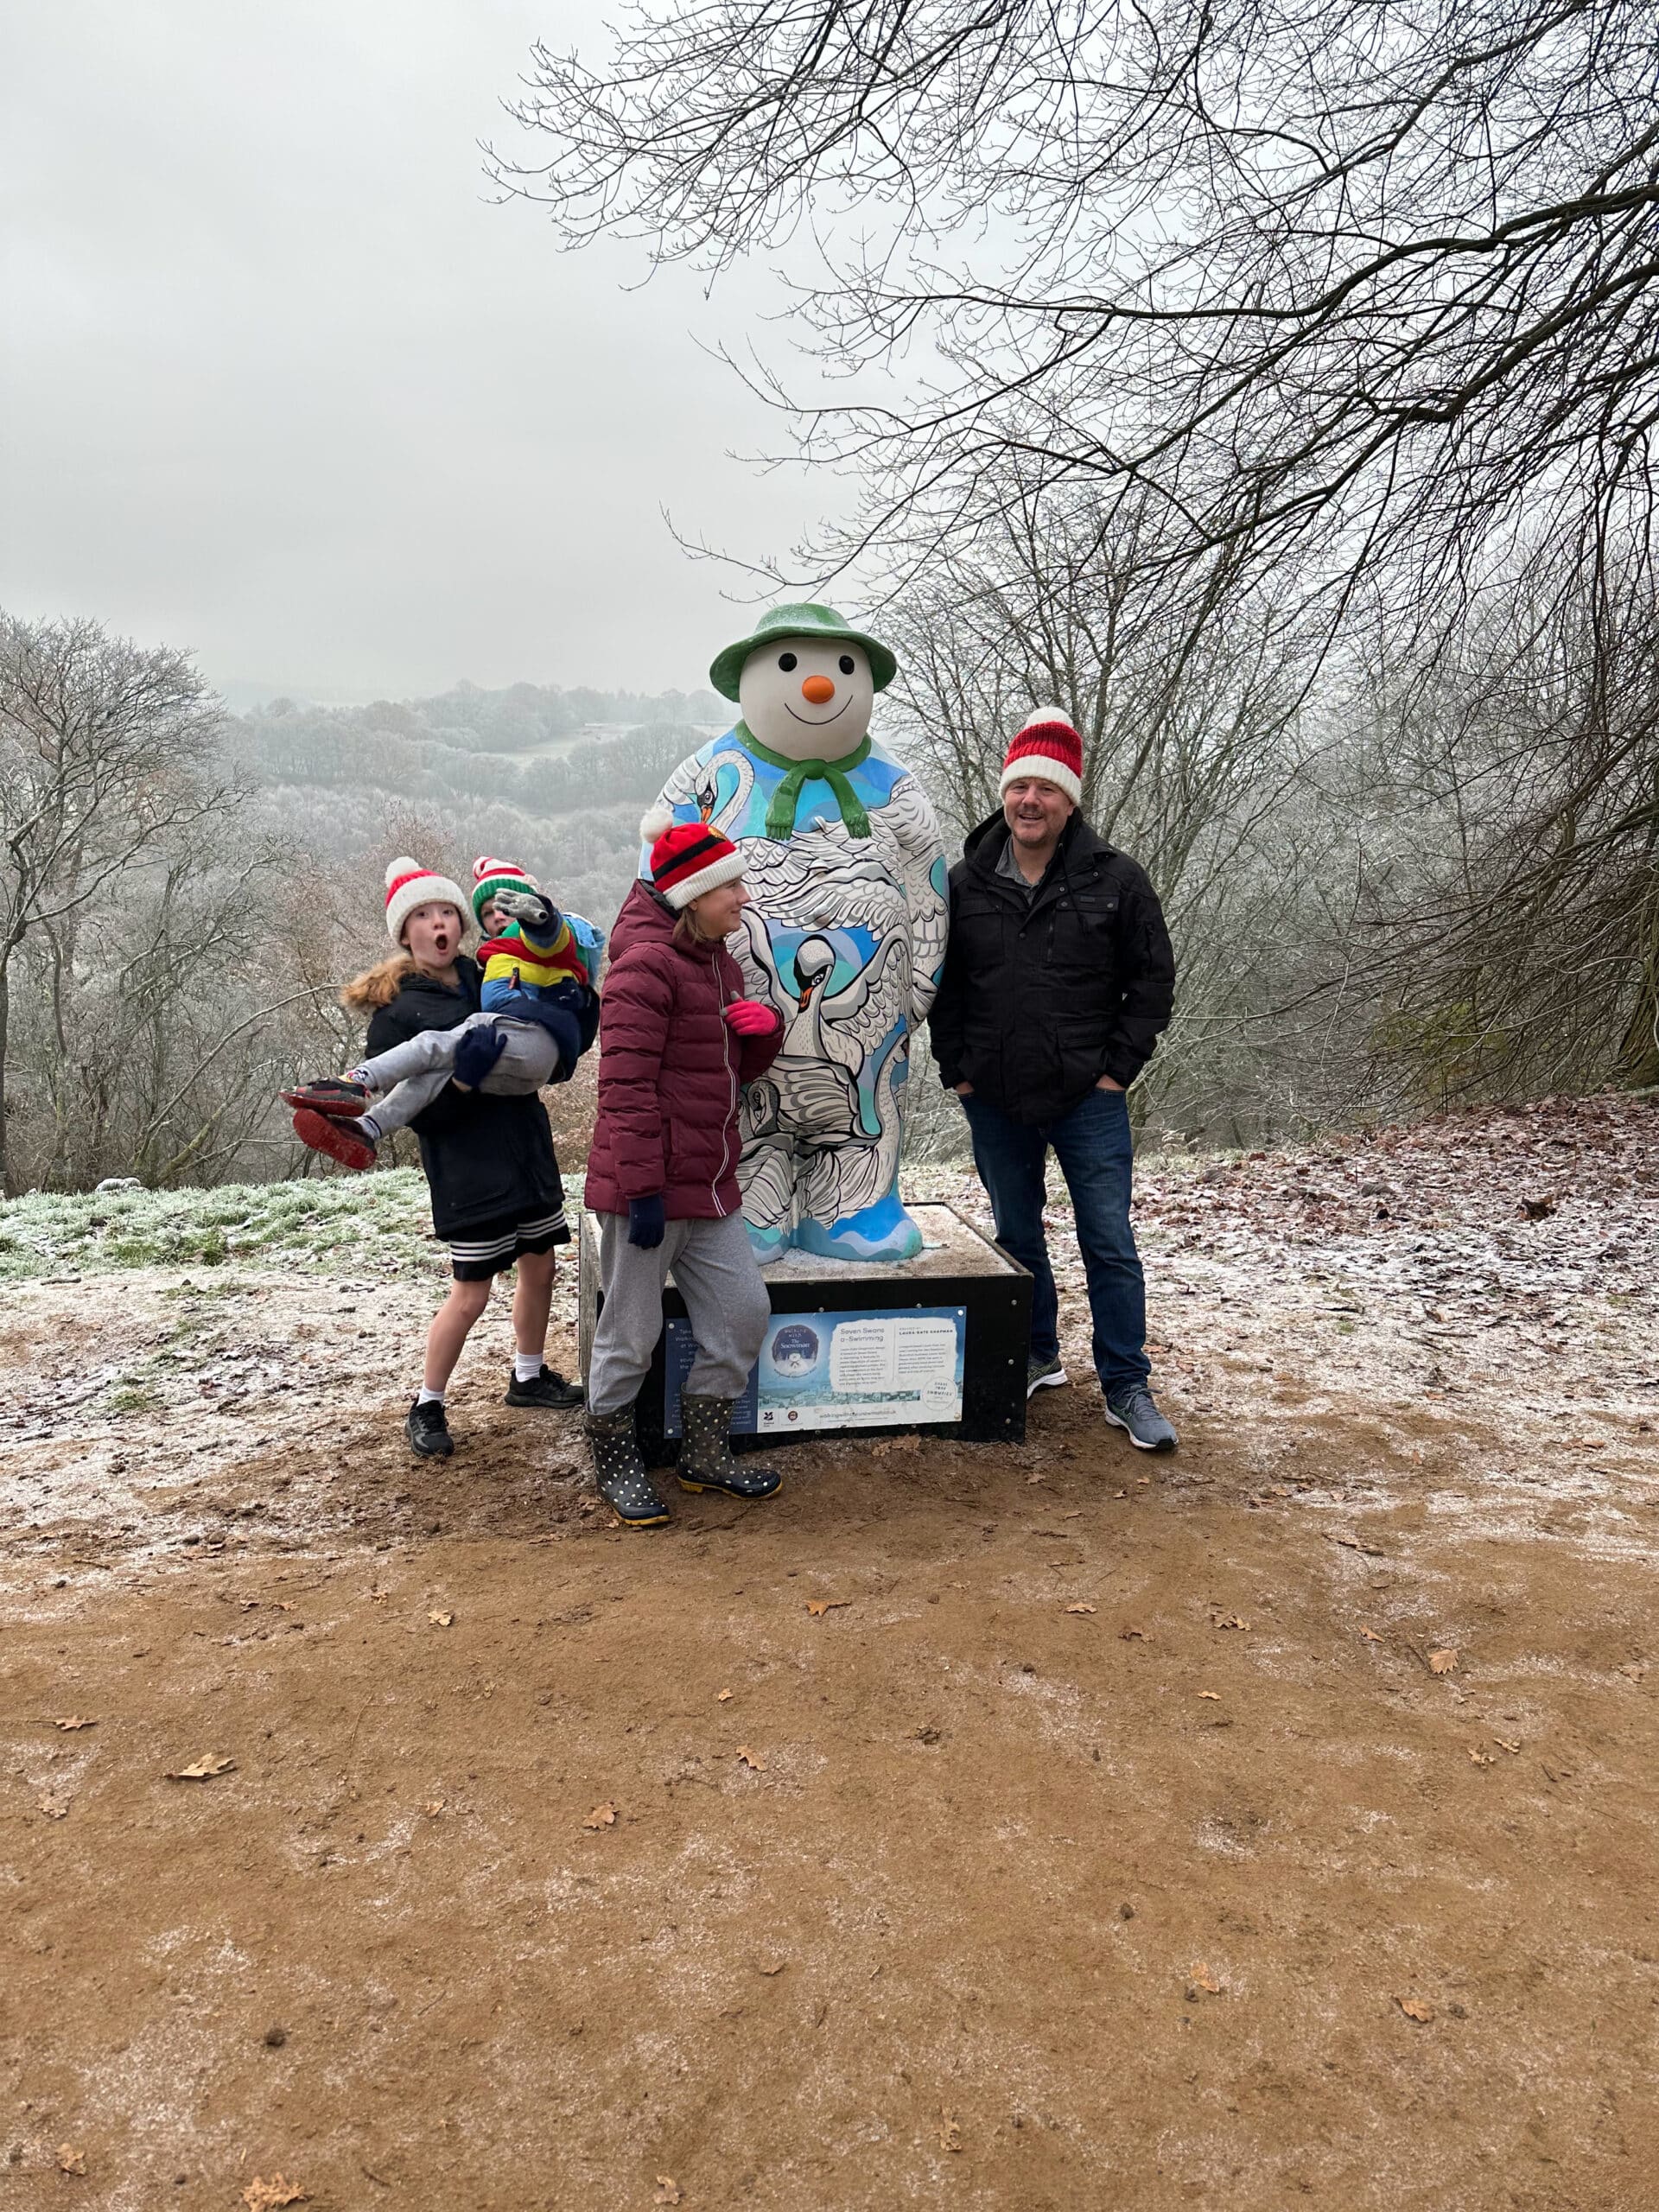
(647, 1222)
(477, 1054)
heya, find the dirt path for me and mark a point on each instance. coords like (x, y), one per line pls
(962, 1892)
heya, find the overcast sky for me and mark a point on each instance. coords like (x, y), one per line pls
(278, 382)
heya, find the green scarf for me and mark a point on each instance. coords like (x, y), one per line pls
(780, 814)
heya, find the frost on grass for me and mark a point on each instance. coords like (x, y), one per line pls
(336, 1222)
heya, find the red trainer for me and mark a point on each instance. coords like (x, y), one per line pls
(338, 1139)
(330, 1094)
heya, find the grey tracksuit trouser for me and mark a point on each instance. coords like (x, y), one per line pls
(715, 1272)
(413, 1073)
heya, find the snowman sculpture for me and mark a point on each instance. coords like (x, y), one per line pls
(845, 936)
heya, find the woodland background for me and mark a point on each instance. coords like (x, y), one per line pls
(1272, 389)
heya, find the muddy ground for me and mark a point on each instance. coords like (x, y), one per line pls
(1269, 1825)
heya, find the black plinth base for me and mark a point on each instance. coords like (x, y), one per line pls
(959, 1269)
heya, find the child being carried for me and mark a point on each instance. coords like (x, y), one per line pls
(538, 1013)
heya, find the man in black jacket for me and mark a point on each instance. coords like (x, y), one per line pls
(1057, 978)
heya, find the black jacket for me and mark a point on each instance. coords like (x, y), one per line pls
(487, 1160)
(1041, 998)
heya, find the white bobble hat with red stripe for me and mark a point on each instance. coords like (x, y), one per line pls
(1045, 745)
(409, 885)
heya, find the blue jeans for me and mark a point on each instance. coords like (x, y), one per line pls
(1097, 1158)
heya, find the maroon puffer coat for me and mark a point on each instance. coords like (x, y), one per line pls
(670, 1070)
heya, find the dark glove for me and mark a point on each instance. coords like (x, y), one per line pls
(647, 1222)
(477, 1054)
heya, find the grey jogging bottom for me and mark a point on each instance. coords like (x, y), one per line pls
(715, 1270)
(413, 1073)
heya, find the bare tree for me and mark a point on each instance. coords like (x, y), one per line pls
(1333, 287)
(104, 748)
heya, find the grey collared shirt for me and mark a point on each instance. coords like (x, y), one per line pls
(1007, 865)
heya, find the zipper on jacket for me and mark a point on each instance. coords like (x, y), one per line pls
(731, 1078)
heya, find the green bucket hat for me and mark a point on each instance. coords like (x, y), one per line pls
(803, 621)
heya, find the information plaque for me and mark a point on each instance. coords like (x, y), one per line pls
(869, 1369)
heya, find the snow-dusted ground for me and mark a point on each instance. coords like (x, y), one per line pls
(1491, 1273)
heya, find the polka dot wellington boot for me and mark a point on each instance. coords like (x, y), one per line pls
(620, 1472)
(705, 1461)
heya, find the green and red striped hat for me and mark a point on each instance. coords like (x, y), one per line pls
(687, 858)
(491, 875)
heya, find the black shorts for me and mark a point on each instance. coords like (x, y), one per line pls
(491, 1250)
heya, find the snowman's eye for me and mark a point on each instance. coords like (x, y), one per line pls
(786, 661)
(846, 663)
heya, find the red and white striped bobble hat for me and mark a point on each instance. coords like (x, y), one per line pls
(687, 858)
(1045, 745)
(409, 885)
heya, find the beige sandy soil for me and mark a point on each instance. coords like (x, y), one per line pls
(1087, 1851)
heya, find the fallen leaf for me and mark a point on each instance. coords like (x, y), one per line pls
(895, 1444)
(1202, 1976)
(442, 1620)
(202, 1770)
(1227, 1620)
(725, 1696)
(54, 1808)
(1040, 1477)
(433, 1807)
(266, 2195)
(818, 1606)
(770, 1971)
(1505, 1742)
(1482, 1758)
(602, 1816)
(668, 2190)
(1213, 1694)
(1369, 1635)
(751, 1759)
(75, 1721)
(1080, 1609)
(1635, 1668)
(71, 2161)
(950, 2131)
(1133, 1635)
(1442, 1663)
(1415, 2008)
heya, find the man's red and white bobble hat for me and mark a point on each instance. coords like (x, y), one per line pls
(687, 858)
(1046, 746)
(409, 885)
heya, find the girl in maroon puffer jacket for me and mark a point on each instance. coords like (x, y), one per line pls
(677, 1041)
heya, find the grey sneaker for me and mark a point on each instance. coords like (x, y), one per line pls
(1135, 1407)
(1044, 1374)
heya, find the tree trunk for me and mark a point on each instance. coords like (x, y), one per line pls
(5, 1009)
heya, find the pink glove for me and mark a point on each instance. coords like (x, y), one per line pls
(748, 1018)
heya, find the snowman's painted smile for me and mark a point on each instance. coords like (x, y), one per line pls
(808, 722)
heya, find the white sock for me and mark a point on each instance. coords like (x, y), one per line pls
(526, 1366)
(429, 1397)
(370, 1127)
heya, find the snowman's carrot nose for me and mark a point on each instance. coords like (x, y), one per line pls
(818, 690)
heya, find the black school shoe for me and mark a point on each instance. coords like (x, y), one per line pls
(547, 1388)
(427, 1431)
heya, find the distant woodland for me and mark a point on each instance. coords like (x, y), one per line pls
(1272, 389)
